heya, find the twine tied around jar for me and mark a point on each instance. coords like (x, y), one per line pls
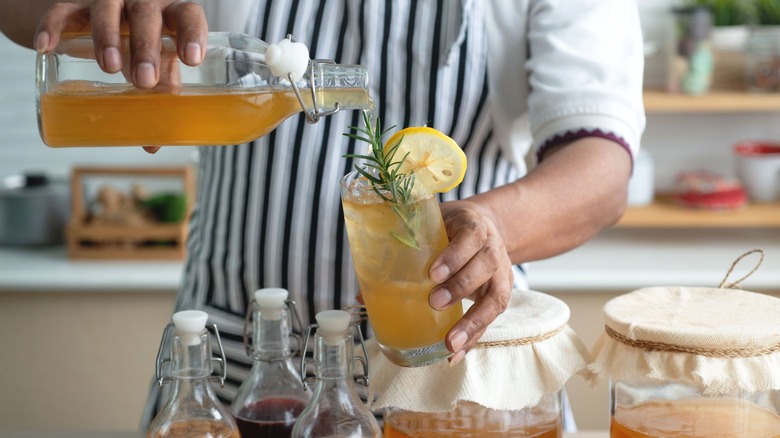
(523, 341)
(735, 284)
(729, 353)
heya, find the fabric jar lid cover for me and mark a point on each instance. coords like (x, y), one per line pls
(716, 339)
(527, 352)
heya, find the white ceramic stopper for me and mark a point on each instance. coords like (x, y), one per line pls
(286, 58)
(271, 301)
(333, 321)
(189, 325)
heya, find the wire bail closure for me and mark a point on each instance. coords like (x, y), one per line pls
(160, 361)
(314, 114)
(249, 317)
(361, 378)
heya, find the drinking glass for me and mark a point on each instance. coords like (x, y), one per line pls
(393, 246)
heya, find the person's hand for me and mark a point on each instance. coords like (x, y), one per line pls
(146, 20)
(476, 266)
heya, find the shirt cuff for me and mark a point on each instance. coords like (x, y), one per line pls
(571, 136)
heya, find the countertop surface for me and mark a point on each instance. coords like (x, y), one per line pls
(618, 260)
(138, 435)
(48, 269)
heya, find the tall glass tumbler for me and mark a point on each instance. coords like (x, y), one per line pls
(393, 246)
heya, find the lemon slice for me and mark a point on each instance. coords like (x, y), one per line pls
(437, 161)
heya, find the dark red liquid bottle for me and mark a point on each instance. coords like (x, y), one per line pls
(273, 417)
(272, 397)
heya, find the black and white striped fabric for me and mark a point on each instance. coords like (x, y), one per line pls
(269, 212)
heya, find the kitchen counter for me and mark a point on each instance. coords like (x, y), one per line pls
(617, 260)
(49, 269)
(624, 260)
(138, 435)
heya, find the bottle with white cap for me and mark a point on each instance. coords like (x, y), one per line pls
(242, 90)
(336, 409)
(272, 396)
(193, 409)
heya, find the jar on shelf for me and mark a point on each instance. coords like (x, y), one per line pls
(763, 59)
(510, 384)
(692, 362)
(692, 60)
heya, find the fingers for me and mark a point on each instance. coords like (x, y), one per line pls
(475, 264)
(105, 21)
(466, 332)
(189, 22)
(61, 17)
(145, 18)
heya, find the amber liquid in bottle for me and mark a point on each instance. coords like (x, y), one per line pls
(199, 428)
(79, 113)
(703, 418)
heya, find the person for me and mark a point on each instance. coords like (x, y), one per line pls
(562, 79)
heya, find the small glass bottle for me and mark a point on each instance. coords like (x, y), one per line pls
(272, 397)
(193, 410)
(335, 410)
(241, 91)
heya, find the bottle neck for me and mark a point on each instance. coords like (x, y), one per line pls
(345, 84)
(191, 356)
(271, 338)
(334, 357)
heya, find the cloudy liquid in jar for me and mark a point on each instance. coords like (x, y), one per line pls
(702, 418)
(470, 420)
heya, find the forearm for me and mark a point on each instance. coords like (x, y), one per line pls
(20, 18)
(577, 191)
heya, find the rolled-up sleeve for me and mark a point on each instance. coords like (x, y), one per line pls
(585, 70)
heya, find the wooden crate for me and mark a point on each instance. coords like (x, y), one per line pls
(109, 242)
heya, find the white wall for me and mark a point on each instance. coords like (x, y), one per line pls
(21, 149)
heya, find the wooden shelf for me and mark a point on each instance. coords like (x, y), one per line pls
(664, 213)
(716, 101)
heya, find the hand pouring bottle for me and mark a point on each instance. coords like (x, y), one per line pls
(335, 410)
(193, 410)
(272, 397)
(241, 91)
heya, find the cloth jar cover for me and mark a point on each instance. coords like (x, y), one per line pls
(527, 352)
(716, 340)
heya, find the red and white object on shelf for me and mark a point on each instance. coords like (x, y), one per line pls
(706, 190)
(758, 167)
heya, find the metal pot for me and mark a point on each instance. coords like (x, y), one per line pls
(33, 210)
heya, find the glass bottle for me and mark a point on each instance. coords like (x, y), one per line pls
(335, 410)
(241, 91)
(193, 410)
(272, 397)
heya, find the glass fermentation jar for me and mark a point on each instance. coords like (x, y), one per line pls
(688, 362)
(509, 385)
(470, 419)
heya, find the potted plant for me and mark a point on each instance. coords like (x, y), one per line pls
(767, 12)
(730, 20)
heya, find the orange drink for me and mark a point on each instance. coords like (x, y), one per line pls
(81, 113)
(393, 274)
(701, 418)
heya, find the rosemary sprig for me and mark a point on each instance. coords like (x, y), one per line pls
(382, 170)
